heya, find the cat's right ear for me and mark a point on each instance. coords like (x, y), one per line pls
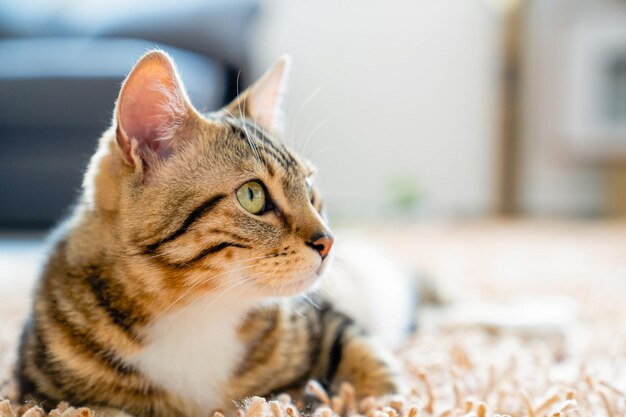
(152, 105)
(262, 102)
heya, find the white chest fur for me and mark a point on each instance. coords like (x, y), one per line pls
(191, 352)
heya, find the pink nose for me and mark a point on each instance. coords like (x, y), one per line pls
(322, 244)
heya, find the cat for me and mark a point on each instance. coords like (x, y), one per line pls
(188, 275)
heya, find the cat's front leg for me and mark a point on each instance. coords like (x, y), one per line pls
(353, 356)
(368, 367)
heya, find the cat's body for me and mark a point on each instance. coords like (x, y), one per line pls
(171, 290)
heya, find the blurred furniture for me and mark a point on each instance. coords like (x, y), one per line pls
(62, 65)
(574, 144)
(509, 105)
(591, 122)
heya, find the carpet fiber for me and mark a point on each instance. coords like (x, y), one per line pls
(536, 326)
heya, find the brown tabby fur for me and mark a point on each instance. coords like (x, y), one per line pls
(143, 239)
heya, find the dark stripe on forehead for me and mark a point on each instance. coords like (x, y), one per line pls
(198, 212)
(271, 151)
(244, 129)
(281, 161)
(267, 140)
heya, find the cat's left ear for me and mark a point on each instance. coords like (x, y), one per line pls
(151, 107)
(263, 101)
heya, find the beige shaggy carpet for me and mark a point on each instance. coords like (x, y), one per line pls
(536, 326)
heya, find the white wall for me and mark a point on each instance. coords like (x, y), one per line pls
(406, 88)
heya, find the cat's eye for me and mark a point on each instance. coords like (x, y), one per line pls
(251, 196)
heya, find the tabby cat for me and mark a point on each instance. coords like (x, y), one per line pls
(175, 287)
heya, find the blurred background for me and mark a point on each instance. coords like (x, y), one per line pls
(418, 110)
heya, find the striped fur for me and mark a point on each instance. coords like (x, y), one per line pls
(161, 296)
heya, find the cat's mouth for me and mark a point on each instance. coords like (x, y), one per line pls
(323, 266)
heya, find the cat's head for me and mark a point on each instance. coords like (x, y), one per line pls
(208, 203)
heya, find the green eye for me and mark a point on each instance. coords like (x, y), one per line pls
(251, 196)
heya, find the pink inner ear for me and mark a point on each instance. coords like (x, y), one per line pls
(150, 108)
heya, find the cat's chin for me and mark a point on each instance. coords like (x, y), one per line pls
(293, 286)
(296, 285)
(300, 284)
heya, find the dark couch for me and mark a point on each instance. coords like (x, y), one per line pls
(60, 74)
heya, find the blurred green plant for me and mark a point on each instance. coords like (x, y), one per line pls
(404, 196)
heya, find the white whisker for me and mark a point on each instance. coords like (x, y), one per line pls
(305, 103)
(243, 125)
(321, 151)
(312, 134)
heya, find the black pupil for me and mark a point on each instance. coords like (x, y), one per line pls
(250, 193)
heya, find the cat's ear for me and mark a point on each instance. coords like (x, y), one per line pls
(152, 105)
(262, 102)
